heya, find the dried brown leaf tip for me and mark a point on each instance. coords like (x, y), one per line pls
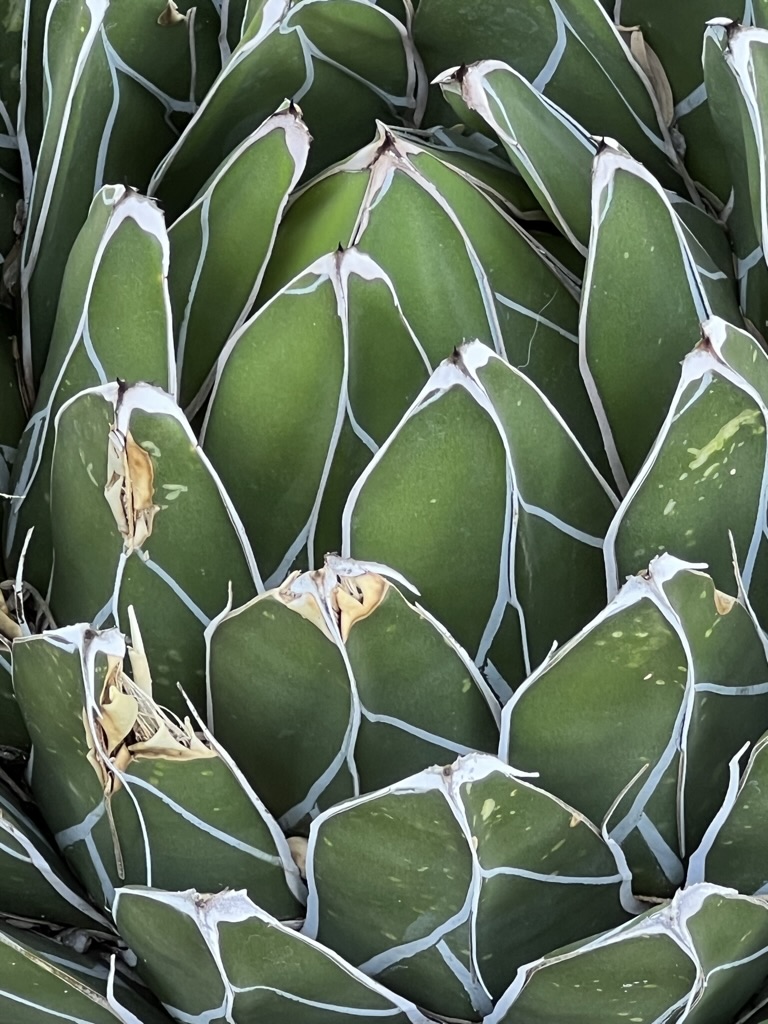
(171, 15)
(357, 597)
(723, 602)
(130, 488)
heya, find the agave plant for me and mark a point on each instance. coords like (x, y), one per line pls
(384, 462)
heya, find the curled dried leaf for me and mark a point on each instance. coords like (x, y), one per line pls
(654, 72)
(723, 602)
(357, 597)
(171, 15)
(130, 488)
(298, 847)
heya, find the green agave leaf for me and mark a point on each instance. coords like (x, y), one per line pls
(344, 59)
(34, 883)
(728, 663)
(558, 47)
(675, 35)
(233, 13)
(12, 23)
(109, 66)
(441, 885)
(317, 379)
(481, 160)
(113, 322)
(551, 151)
(13, 733)
(349, 687)
(401, 203)
(45, 982)
(172, 808)
(131, 486)
(238, 212)
(731, 849)
(696, 959)
(238, 963)
(644, 298)
(731, 104)
(477, 468)
(701, 493)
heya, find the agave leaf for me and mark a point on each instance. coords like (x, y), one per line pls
(400, 203)
(113, 322)
(34, 883)
(696, 959)
(147, 797)
(631, 656)
(238, 963)
(643, 301)
(12, 412)
(238, 212)
(675, 35)
(729, 704)
(566, 43)
(233, 13)
(43, 982)
(108, 64)
(363, 710)
(474, 468)
(483, 162)
(731, 849)
(443, 884)
(550, 150)
(702, 491)
(12, 23)
(732, 107)
(316, 380)
(13, 733)
(345, 59)
(130, 485)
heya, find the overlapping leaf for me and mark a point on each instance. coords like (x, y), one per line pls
(336, 58)
(559, 48)
(468, 499)
(701, 493)
(372, 686)
(697, 959)
(45, 982)
(401, 203)
(222, 957)
(131, 488)
(625, 720)
(238, 212)
(648, 286)
(108, 67)
(133, 793)
(732, 106)
(443, 884)
(316, 381)
(113, 322)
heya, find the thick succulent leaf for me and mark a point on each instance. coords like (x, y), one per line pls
(674, 33)
(130, 486)
(643, 301)
(701, 493)
(400, 203)
(482, 161)
(12, 21)
(731, 851)
(732, 107)
(221, 957)
(566, 43)
(238, 212)
(478, 468)
(45, 982)
(335, 349)
(13, 733)
(34, 883)
(148, 800)
(113, 322)
(341, 60)
(563, 724)
(697, 959)
(232, 15)
(443, 884)
(552, 152)
(728, 663)
(109, 65)
(372, 686)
